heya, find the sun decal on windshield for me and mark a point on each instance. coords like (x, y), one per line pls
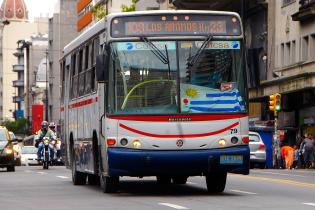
(191, 92)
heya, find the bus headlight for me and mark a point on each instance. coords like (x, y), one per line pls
(136, 144)
(8, 151)
(16, 148)
(222, 142)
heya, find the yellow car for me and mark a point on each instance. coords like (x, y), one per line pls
(6, 150)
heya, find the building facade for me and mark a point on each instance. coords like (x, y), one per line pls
(17, 27)
(62, 30)
(292, 63)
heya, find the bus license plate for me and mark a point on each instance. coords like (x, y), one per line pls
(231, 159)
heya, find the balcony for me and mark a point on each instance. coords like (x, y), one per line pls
(19, 53)
(18, 83)
(18, 99)
(18, 68)
(306, 11)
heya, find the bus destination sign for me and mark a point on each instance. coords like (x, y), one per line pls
(161, 25)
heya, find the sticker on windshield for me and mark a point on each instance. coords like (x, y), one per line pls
(221, 45)
(132, 46)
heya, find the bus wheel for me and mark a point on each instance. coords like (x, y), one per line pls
(216, 182)
(109, 184)
(78, 178)
(93, 179)
(164, 180)
(179, 179)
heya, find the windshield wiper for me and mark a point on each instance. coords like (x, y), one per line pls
(193, 59)
(158, 53)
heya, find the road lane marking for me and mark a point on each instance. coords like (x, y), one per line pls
(309, 204)
(245, 192)
(274, 173)
(283, 181)
(42, 173)
(173, 206)
(63, 177)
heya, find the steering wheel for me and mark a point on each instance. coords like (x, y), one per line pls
(123, 106)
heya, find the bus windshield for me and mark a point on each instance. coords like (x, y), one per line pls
(177, 77)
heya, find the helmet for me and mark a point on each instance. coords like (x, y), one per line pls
(44, 124)
(52, 125)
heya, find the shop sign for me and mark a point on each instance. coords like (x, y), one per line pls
(310, 120)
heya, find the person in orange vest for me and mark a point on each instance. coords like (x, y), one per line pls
(287, 154)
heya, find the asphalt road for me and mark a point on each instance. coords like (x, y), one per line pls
(34, 188)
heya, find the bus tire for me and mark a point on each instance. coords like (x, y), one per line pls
(78, 178)
(11, 168)
(163, 180)
(109, 184)
(216, 182)
(93, 179)
(179, 179)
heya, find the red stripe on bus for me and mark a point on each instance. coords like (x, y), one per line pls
(179, 118)
(178, 135)
(82, 103)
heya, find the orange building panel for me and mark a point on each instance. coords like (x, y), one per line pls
(82, 4)
(84, 20)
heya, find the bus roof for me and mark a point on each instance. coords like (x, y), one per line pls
(95, 29)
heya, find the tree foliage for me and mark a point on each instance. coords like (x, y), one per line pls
(18, 127)
(99, 12)
(131, 8)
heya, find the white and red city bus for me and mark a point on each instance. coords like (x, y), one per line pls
(156, 93)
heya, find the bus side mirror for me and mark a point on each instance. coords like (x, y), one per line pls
(101, 68)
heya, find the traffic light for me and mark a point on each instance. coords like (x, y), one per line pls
(272, 102)
(277, 101)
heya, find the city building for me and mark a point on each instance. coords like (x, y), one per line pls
(14, 26)
(90, 11)
(291, 61)
(62, 30)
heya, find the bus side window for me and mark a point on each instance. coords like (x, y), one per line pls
(73, 78)
(88, 58)
(96, 46)
(81, 73)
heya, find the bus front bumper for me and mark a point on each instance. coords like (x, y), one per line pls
(132, 162)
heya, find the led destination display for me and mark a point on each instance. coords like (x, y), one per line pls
(159, 25)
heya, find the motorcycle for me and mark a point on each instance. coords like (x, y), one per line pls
(49, 146)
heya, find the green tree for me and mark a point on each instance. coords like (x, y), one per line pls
(19, 126)
(131, 8)
(99, 12)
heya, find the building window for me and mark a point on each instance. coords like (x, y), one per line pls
(287, 2)
(293, 52)
(312, 47)
(282, 55)
(287, 50)
(304, 48)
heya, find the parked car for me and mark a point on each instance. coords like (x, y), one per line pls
(6, 150)
(16, 149)
(257, 150)
(29, 155)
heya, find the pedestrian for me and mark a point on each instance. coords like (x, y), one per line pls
(308, 145)
(288, 156)
(296, 157)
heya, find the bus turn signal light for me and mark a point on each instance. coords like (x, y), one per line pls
(245, 139)
(111, 142)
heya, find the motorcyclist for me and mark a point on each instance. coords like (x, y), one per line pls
(43, 132)
(52, 127)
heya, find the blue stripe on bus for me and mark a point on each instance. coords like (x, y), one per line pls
(214, 102)
(207, 109)
(223, 94)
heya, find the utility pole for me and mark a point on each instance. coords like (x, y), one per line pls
(46, 90)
